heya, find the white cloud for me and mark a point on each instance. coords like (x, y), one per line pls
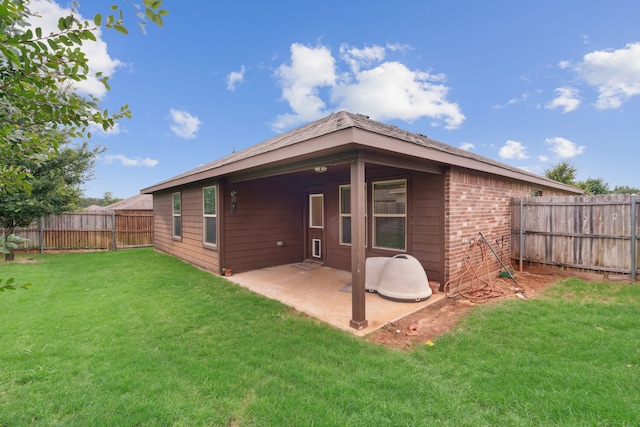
(564, 148)
(513, 101)
(184, 124)
(466, 146)
(96, 52)
(393, 91)
(382, 90)
(513, 150)
(126, 161)
(615, 74)
(543, 158)
(311, 69)
(357, 58)
(234, 78)
(98, 130)
(563, 65)
(568, 99)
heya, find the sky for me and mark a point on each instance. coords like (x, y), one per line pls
(527, 83)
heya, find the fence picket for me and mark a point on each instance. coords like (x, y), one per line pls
(588, 232)
(77, 231)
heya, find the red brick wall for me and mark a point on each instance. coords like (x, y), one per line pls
(478, 203)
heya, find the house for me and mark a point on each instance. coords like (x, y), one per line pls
(337, 191)
(138, 204)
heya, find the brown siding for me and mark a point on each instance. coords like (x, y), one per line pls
(190, 247)
(425, 220)
(427, 223)
(268, 211)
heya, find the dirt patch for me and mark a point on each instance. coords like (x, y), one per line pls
(424, 326)
(26, 260)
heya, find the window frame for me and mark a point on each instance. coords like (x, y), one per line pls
(206, 215)
(376, 216)
(176, 214)
(342, 215)
(312, 219)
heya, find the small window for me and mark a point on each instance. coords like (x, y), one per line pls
(210, 220)
(390, 215)
(536, 193)
(177, 215)
(345, 215)
(316, 211)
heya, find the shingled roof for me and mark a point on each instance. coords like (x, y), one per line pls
(344, 120)
(138, 202)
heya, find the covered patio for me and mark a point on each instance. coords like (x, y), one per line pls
(324, 293)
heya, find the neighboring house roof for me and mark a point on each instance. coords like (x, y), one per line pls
(139, 202)
(93, 208)
(306, 140)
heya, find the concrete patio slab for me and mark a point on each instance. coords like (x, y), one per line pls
(321, 292)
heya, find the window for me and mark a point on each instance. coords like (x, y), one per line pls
(210, 220)
(536, 193)
(316, 210)
(390, 214)
(345, 215)
(177, 215)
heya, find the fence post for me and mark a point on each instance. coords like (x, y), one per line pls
(634, 242)
(41, 234)
(521, 232)
(114, 242)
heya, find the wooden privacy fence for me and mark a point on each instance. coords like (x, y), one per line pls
(77, 231)
(597, 233)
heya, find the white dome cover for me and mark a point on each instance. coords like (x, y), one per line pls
(400, 278)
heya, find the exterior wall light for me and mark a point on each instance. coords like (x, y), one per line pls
(234, 202)
(321, 169)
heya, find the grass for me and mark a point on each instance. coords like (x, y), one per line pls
(139, 338)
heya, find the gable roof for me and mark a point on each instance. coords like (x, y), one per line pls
(408, 143)
(139, 202)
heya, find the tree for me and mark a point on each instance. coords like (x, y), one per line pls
(37, 101)
(625, 189)
(563, 172)
(594, 186)
(56, 186)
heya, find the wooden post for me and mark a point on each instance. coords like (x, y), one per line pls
(358, 212)
(634, 239)
(114, 238)
(41, 234)
(521, 250)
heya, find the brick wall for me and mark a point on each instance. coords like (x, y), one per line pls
(478, 203)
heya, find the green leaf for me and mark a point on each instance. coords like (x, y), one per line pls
(53, 44)
(88, 35)
(62, 24)
(74, 37)
(11, 55)
(97, 20)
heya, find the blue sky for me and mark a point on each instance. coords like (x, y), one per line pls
(527, 83)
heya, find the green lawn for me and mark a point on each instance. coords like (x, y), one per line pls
(139, 338)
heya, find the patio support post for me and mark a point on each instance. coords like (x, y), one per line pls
(358, 212)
